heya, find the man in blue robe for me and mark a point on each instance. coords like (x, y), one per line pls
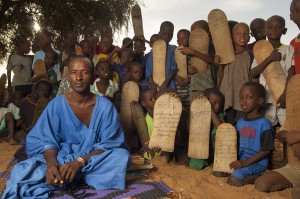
(78, 136)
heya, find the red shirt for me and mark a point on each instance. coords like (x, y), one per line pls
(296, 44)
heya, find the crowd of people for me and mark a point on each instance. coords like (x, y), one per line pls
(78, 136)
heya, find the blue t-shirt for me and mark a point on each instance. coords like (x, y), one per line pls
(255, 135)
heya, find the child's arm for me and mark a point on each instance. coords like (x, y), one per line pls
(9, 88)
(110, 55)
(274, 56)
(244, 163)
(215, 119)
(41, 76)
(291, 137)
(167, 81)
(282, 98)
(145, 40)
(193, 52)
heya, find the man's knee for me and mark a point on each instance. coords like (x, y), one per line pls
(295, 192)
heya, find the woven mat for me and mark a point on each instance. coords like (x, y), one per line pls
(7, 152)
(141, 189)
(5, 175)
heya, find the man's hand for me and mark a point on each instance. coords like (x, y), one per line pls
(53, 176)
(236, 164)
(69, 170)
(290, 137)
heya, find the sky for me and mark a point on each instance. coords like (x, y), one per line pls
(183, 13)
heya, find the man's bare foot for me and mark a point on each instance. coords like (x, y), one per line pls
(12, 142)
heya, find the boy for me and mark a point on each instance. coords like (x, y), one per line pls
(122, 69)
(235, 74)
(7, 123)
(153, 39)
(139, 48)
(216, 99)
(53, 74)
(283, 53)
(256, 140)
(165, 33)
(103, 86)
(44, 39)
(258, 31)
(135, 72)
(295, 14)
(147, 99)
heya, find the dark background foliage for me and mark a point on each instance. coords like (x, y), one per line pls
(17, 17)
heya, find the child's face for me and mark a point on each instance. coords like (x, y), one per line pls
(295, 12)
(249, 100)
(241, 35)
(70, 40)
(44, 40)
(104, 71)
(139, 47)
(105, 44)
(49, 59)
(17, 99)
(125, 57)
(166, 34)
(149, 100)
(215, 101)
(182, 39)
(275, 29)
(258, 30)
(43, 91)
(25, 47)
(86, 49)
(135, 72)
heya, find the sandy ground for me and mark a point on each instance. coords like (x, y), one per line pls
(193, 184)
(188, 183)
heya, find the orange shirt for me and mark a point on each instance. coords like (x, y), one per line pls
(296, 44)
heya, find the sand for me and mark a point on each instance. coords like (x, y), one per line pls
(193, 184)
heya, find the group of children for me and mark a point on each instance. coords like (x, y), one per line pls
(233, 90)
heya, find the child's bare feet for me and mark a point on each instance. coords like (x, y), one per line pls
(12, 142)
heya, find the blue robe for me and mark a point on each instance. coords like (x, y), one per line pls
(58, 127)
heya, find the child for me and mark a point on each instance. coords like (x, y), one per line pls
(199, 81)
(44, 39)
(295, 7)
(20, 64)
(258, 31)
(53, 74)
(14, 106)
(147, 99)
(122, 69)
(28, 108)
(256, 140)
(235, 74)
(135, 72)
(153, 39)
(7, 123)
(86, 48)
(139, 48)
(107, 52)
(284, 54)
(216, 99)
(128, 43)
(166, 33)
(103, 86)
(69, 48)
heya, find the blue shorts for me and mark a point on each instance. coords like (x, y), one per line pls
(253, 169)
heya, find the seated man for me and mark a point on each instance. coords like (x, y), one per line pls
(77, 138)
